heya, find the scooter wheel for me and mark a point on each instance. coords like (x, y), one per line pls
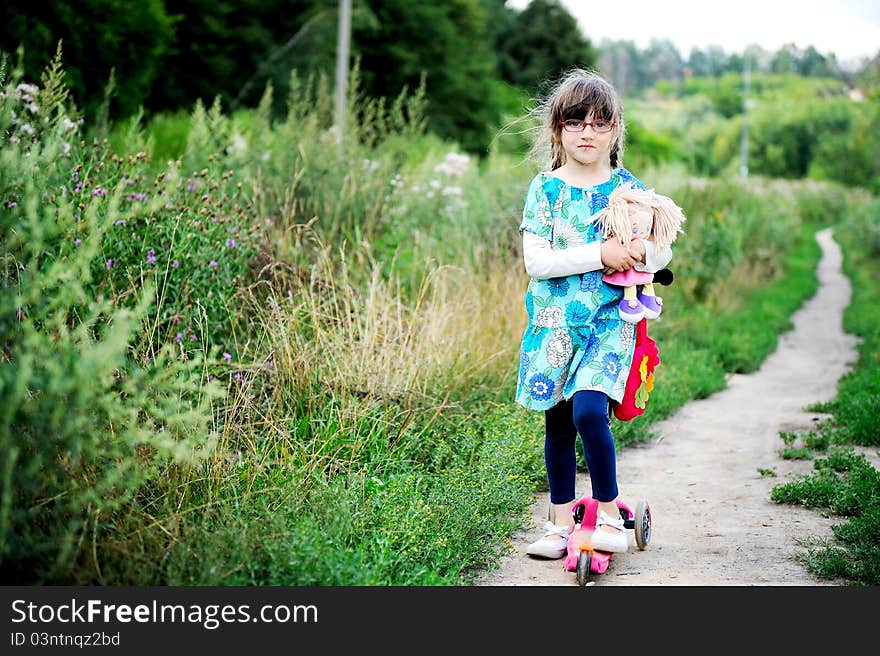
(643, 524)
(583, 568)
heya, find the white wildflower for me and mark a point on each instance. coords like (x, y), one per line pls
(27, 129)
(26, 92)
(68, 125)
(239, 145)
(33, 107)
(454, 164)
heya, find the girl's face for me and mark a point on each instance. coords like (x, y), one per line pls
(587, 147)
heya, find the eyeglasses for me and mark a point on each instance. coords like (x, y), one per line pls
(577, 125)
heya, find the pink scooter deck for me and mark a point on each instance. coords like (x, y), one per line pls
(582, 534)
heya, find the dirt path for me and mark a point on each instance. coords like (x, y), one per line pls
(713, 522)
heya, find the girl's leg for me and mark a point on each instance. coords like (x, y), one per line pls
(590, 411)
(560, 458)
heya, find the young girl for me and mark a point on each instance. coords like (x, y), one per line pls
(576, 350)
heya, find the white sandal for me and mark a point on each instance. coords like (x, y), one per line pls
(552, 544)
(606, 540)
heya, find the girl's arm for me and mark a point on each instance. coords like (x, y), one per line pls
(543, 261)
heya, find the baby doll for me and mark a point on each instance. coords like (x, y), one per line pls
(647, 215)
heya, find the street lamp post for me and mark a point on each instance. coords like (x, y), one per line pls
(343, 42)
(744, 145)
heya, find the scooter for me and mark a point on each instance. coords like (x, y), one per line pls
(580, 555)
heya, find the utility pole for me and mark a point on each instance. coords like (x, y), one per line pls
(343, 41)
(744, 146)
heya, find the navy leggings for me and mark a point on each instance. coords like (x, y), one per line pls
(586, 413)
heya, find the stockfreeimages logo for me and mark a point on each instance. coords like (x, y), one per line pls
(210, 616)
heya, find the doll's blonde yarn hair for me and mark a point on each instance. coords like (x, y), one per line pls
(616, 222)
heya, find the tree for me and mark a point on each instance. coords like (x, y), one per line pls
(221, 46)
(623, 64)
(447, 43)
(97, 36)
(664, 61)
(710, 62)
(544, 42)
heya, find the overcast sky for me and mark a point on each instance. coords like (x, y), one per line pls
(848, 28)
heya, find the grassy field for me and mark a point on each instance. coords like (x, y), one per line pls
(237, 353)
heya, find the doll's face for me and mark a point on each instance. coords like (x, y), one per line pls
(642, 217)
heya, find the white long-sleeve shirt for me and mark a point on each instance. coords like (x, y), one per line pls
(543, 261)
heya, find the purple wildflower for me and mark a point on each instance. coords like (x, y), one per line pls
(178, 338)
(151, 256)
(11, 203)
(120, 222)
(210, 378)
(230, 243)
(227, 357)
(175, 264)
(110, 263)
(77, 242)
(75, 176)
(213, 264)
(190, 186)
(78, 187)
(99, 191)
(237, 376)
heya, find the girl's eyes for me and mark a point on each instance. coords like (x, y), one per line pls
(577, 125)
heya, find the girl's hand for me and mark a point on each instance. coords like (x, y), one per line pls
(616, 256)
(637, 249)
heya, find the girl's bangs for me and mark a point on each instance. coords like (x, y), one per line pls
(586, 98)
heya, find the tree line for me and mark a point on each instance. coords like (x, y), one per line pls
(478, 58)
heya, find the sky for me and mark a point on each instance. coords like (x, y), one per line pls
(848, 28)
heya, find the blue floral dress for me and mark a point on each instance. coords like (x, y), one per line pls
(575, 339)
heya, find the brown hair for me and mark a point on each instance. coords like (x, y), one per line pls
(577, 94)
